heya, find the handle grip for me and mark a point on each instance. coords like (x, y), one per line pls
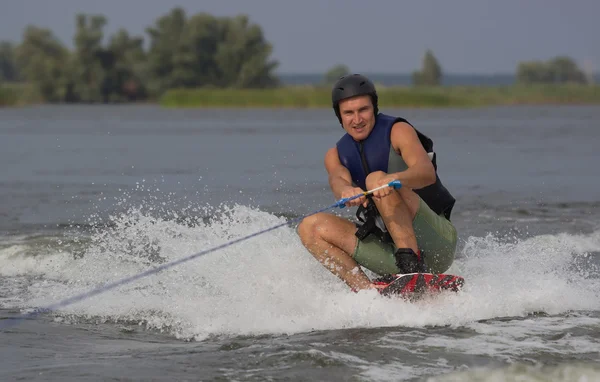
(395, 183)
(342, 202)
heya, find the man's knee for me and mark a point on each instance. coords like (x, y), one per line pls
(373, 178)
(309, 226)
(306, 228)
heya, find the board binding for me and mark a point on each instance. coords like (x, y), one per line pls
(416, 285)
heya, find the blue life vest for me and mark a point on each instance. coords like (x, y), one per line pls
(375, 153)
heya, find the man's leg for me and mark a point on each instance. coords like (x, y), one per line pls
(331, 241)
(397, 210)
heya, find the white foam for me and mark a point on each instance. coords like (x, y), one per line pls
(579, 372)
(17, 259)
(270, 284)
(510, 341)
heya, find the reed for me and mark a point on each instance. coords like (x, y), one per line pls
(7, 96)
(447, 96)
(18, 94)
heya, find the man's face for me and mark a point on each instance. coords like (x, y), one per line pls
(358, 117)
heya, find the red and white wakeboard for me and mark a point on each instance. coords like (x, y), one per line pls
(416, 285)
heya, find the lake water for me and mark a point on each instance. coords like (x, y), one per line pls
(93, 194)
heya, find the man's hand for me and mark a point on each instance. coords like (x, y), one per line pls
(386, 190)
(350, 192)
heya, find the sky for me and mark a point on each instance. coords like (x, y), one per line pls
(384, 36)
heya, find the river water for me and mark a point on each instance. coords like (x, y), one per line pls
(94, 194)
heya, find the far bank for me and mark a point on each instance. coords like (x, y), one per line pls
(319, 97)
(443, 96)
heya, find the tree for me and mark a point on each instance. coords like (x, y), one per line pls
(41, 59)
(201, 50)
(90, 60)
(8, 67)
(559, 70)
(334, 74)
(208, 51)
(533, 72)
(125, 67)
(242, 56)
(203, 34)
(170, 58)
(431, 71)
(564, 70)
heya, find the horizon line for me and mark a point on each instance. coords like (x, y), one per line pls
(288, 73)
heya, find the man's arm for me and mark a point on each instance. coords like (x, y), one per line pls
(339, 176)
(420, 172)
(340, 179)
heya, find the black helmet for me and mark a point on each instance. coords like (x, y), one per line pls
(351, 86)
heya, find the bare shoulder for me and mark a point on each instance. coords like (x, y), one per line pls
(331, 152)
(402, 131)
(332, 158)
(406, 143)
(332, 161)
(403, 135)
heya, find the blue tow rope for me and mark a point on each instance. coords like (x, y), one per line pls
(6, 323)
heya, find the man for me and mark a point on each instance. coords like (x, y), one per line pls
(403, 230)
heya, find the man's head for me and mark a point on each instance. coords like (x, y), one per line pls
(354, 100)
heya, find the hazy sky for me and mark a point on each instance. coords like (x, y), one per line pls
(467, 36)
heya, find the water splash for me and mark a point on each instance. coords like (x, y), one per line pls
(271, 285)
(579, 371)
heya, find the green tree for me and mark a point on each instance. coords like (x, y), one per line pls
(124, 63)
(533, 72)
(8, 66)
(90, 59)
(170, 64)
(334, 74)
(41, 59)
(202, 50)
(208, 51)
(565, 70)
(558, 70)
(431, 71)
(242, 56)
(202, 35)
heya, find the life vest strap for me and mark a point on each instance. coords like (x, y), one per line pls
(368, 217)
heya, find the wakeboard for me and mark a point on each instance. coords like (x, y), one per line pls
(417, 285)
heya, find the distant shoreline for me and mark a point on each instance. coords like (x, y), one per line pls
(397, 96)
(307, 96)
